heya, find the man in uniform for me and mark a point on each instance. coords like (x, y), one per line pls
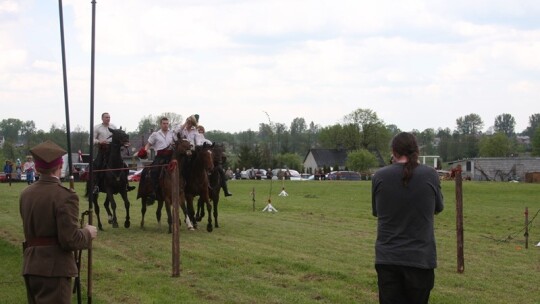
(102, 139)
(161, 141)
(49, 214)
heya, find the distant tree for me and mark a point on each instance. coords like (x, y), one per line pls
(534, 122)
(340, 137)
(11, 129)
(147, 125)
(505, 123)
(535, 142)
(373, 132)
(175, 120)
(299, 136)
(80, 140)
(361, 160)
(425, 141)
(245, 157)
(497, 145)
(288, 160)
(469, 124)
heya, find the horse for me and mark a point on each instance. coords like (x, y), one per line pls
(181, 150)
(214, 179)
(113, 180)
(197, 181)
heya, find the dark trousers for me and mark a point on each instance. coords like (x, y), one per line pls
(403, 284)
(53, 290)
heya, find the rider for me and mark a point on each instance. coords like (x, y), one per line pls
(102, 139)
(161, 141)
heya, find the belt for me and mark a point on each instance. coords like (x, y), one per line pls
(42, 241)
(164, 152)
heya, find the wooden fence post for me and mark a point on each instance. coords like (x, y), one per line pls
(175, 222)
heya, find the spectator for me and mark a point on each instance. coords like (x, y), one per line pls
(405, 197)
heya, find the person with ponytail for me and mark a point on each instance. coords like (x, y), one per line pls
(405, 197)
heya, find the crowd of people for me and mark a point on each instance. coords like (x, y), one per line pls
(26, 170)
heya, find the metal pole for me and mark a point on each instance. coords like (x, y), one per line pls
(459, 221)
(77, 254)
(91, 173)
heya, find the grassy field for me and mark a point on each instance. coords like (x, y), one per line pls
(317, 249)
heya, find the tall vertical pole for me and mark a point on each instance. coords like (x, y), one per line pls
(66, 100)
(459, 221)
(91, 173)
(77, 254)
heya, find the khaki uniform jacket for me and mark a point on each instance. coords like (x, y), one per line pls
(50, 210)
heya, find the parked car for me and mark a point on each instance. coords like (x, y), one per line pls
(343, 175)
(280, 173)
(3, 178)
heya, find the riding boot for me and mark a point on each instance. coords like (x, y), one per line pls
(223, 181)
(225, 189)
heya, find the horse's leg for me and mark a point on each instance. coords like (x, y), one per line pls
(113, 207)
(107, 205)
(186, 214)
(127, 223)
(96, 210)
(190, 211)
(209, 226)
(143, 211)
(200, 210)
(169, 213)
(215, 200)
(158, 212)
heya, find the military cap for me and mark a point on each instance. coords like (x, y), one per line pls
(47, 155)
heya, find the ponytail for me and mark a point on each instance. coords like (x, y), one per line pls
(404, 144)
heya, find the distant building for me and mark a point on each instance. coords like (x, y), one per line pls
(497, 168)
(329, 158)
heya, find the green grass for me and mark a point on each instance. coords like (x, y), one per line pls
(317, 249)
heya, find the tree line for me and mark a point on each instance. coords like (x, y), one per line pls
(362, 133)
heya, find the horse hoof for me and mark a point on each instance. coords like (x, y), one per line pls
(209, 228)
(115, 225)
(127, 224)
(100, 227)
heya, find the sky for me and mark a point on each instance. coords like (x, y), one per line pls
(416, 64)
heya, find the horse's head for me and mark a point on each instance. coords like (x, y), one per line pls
(218, 154)
(204, 155)
(182, 147)
(119, 137)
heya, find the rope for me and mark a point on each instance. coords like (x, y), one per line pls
(511, 236)
(119, 169)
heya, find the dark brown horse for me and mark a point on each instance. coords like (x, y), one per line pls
(200, 166)
(214, 179)
(113, 180)
(181, 151)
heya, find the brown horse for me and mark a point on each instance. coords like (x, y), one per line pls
(113, 180)
(197, 181)
(181, 150)
(214, 179)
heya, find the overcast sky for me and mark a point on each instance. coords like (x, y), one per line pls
(417, 64)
